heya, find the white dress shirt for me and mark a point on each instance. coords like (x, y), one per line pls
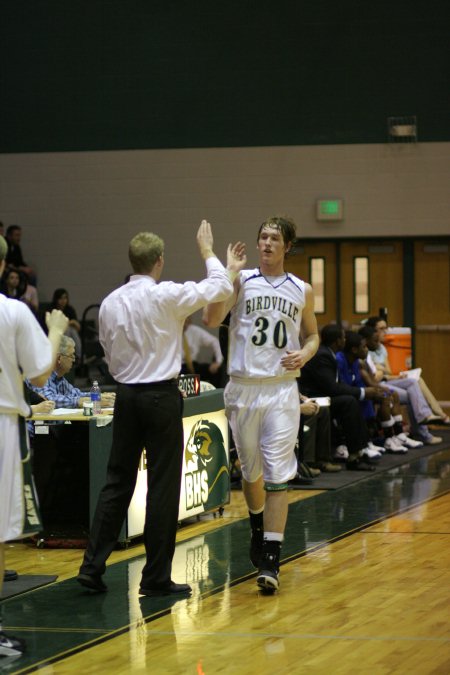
(141, 323)
(198, 338)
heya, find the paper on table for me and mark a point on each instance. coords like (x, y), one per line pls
(63, 411)
(413, 374)
(322, 401)
(72, 411)
(103, 420)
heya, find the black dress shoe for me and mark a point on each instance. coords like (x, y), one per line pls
(359, 465)
(10, 575)
(431, 419)
(168, 589)
(93, 583)
(330, 467)
(297, 482)
(307, 471)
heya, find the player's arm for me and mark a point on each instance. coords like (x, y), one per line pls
(309, 336)
(379, 372)
(388, 374)
(366, 374)
(309, 332)
(214, 313)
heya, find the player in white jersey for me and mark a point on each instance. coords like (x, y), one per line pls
(273, 333)
(25, 351)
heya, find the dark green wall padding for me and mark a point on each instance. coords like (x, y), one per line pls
(110, 74)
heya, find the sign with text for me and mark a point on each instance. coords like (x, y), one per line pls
(190, 384)
(205, 482)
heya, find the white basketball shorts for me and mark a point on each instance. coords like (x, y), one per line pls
(264, 418)
(11, 480)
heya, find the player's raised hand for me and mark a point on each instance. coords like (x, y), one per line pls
(236, 257)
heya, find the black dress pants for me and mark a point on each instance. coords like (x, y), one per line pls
(150, 416)
(347, 412)
(315, 443)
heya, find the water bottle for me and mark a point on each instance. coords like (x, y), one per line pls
(96, 398)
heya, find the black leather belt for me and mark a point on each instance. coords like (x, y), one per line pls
(161, 383)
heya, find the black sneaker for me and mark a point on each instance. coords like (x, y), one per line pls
(267, 578)
(269, 566)
(11, 646)
(256, 546)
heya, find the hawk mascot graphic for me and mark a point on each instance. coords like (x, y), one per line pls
(205, 451)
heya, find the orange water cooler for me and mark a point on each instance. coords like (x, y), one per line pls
(398, 344)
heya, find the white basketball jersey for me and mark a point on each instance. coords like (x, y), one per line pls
(265, 324)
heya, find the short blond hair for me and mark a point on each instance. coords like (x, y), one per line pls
(144, 251)
(3, 248)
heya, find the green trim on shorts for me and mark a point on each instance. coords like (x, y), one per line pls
(275, 487)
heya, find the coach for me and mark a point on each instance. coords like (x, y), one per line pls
(141, 325)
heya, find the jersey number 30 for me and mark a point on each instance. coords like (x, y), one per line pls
(279, 333)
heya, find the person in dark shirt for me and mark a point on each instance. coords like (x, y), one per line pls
(319, 377)
(60, 301)
(14, 257)
(14, 284)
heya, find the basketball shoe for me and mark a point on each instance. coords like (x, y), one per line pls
(11, 646)
(269, 566)
(394, 445)
(256, 546)
(409, 442)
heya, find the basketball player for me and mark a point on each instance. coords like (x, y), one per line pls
(272, 334)
(25, 351)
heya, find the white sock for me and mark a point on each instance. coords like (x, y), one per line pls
(273, 536)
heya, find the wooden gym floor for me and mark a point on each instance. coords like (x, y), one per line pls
(365, 588)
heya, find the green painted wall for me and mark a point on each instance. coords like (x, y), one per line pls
(110, 74)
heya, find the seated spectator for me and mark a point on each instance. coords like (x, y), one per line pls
(314, 437)
(59, 460)
(350, 361)
(42, 407)
(319, 377)
(38, 405)
(371, 377)
(31, 297)
(59, 390)
(391, 413)
(14, 284)
(409, 390)
(309, 436)
(196, 339)
(60, 301)
(14, 256)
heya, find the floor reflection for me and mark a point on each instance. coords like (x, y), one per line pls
(334, 514)
(71, 619)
